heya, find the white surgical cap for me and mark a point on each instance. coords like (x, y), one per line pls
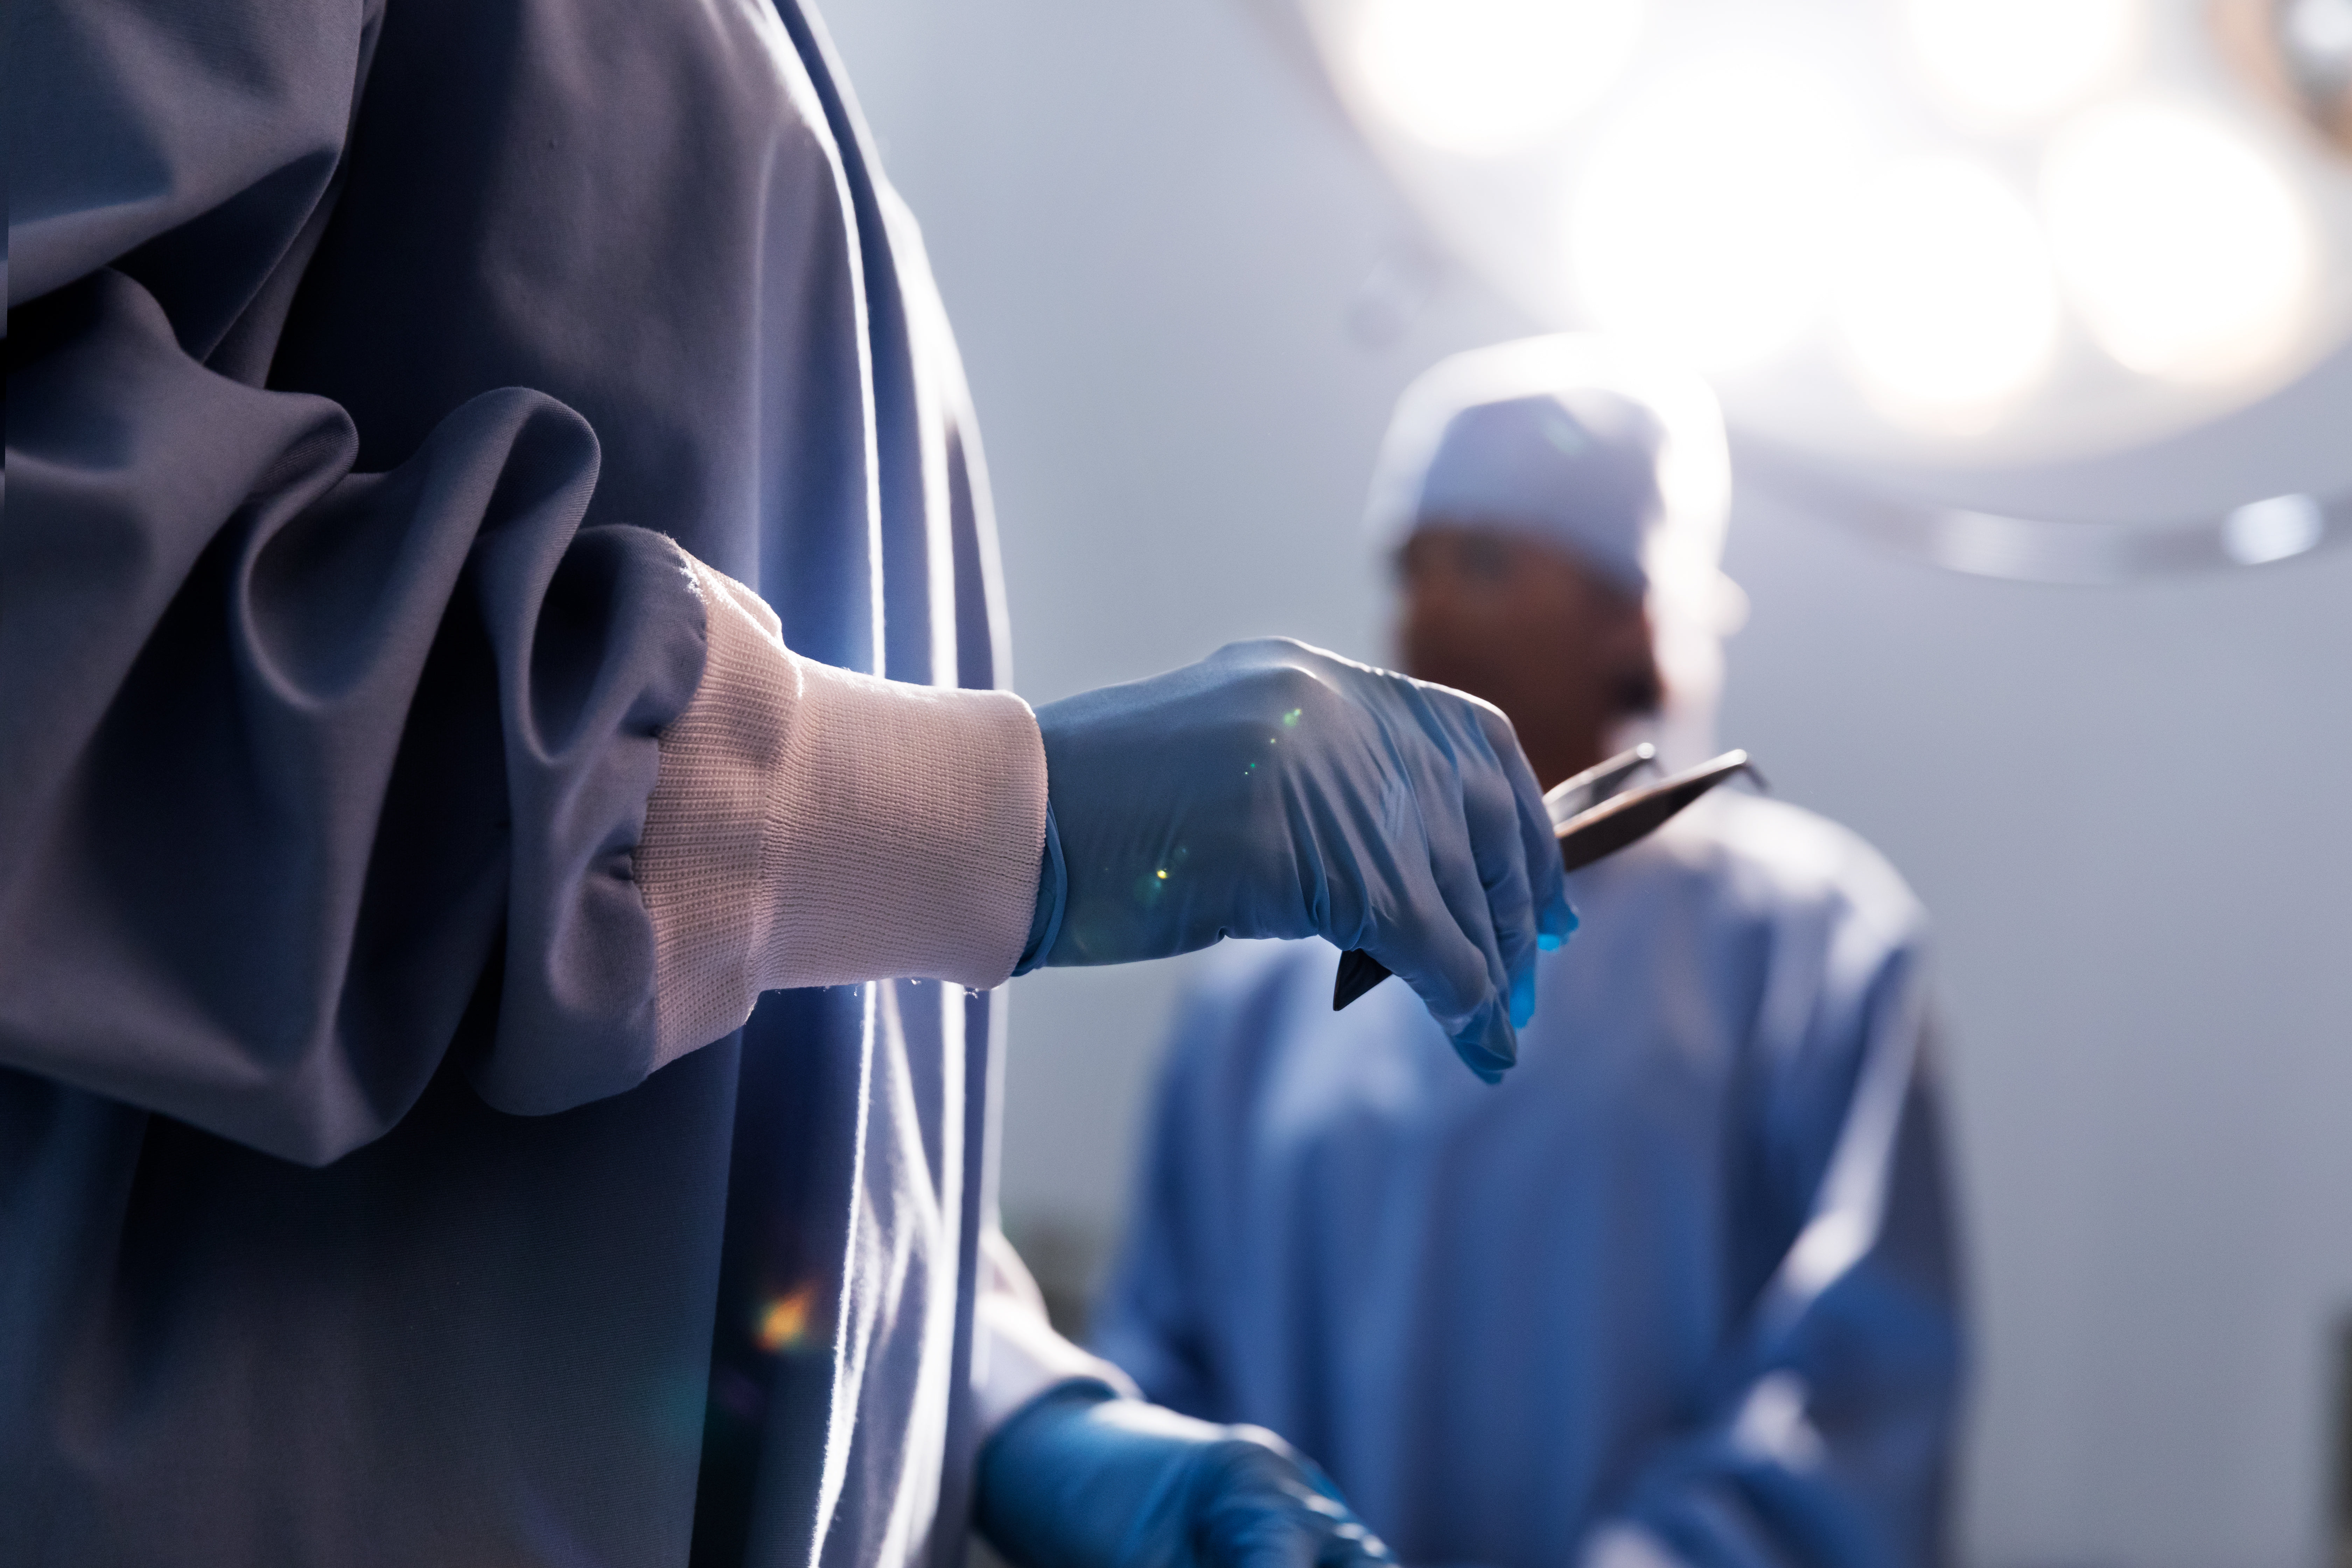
(1597, 446)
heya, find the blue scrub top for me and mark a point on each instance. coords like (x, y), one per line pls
(1689, 1266)
(360, 354)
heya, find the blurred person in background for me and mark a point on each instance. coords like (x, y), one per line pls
(1680, 1293)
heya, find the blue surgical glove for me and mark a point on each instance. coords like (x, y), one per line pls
(1274, 790)
(1080, 1479)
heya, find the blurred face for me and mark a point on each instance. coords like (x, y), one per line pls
(1525, 624)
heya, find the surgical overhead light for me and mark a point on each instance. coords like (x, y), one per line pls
(2273, 528)
(1940, 237)
(2298, 54)
(2183, 246)
(1486, 75)
(1948, 307)
(2006, 63)
(1706, 220)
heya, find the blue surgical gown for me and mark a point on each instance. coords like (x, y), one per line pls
(358, 354)
(1689, 1268)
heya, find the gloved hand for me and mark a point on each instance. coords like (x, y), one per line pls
(1274, 790)
(1080, 1479)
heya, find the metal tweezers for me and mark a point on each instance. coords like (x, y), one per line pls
(1592, 819)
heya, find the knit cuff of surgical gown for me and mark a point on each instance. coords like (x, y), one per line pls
(811, 827)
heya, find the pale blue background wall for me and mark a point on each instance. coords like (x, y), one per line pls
(2127, 808)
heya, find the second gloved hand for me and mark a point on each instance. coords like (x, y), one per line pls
(1079, 1478)
(1274, 790)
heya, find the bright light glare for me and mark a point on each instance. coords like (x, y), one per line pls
(1486, 75)
(2006, 62)
(2272, 529)
(1707, 219)
(2184, 247)
(1948, 305)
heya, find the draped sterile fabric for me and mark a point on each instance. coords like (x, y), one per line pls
(1680, 1290)
(390, 385)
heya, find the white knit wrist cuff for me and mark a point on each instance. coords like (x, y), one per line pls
(813, 827)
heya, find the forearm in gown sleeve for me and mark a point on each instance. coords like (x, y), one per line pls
(297, 765)
(297, 756)
(302, 763)
(307, 778)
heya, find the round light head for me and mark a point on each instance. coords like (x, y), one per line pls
(1947, 309)
(2181, 244)
(1487, 76)
(1706, 220)
(1942, 236)
(2004, 64)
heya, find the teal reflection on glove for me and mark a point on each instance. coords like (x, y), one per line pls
(1274, 790)
(1081, 1478)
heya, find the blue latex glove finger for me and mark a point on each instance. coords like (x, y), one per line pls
(1492, 890)
(1547, 886)
(1263, 1505)
(1274, 790)
(1080, 1479)
(1491, 807)
(1476, 867)
(1459, 864)
(1433, 861)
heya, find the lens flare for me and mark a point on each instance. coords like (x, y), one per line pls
(1483, 77)
(783, 1320)
(1948, 308)
(1707, 218)
(2182, 245)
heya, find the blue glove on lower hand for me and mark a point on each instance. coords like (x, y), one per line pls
(1274, 790)
(1079, 1478)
